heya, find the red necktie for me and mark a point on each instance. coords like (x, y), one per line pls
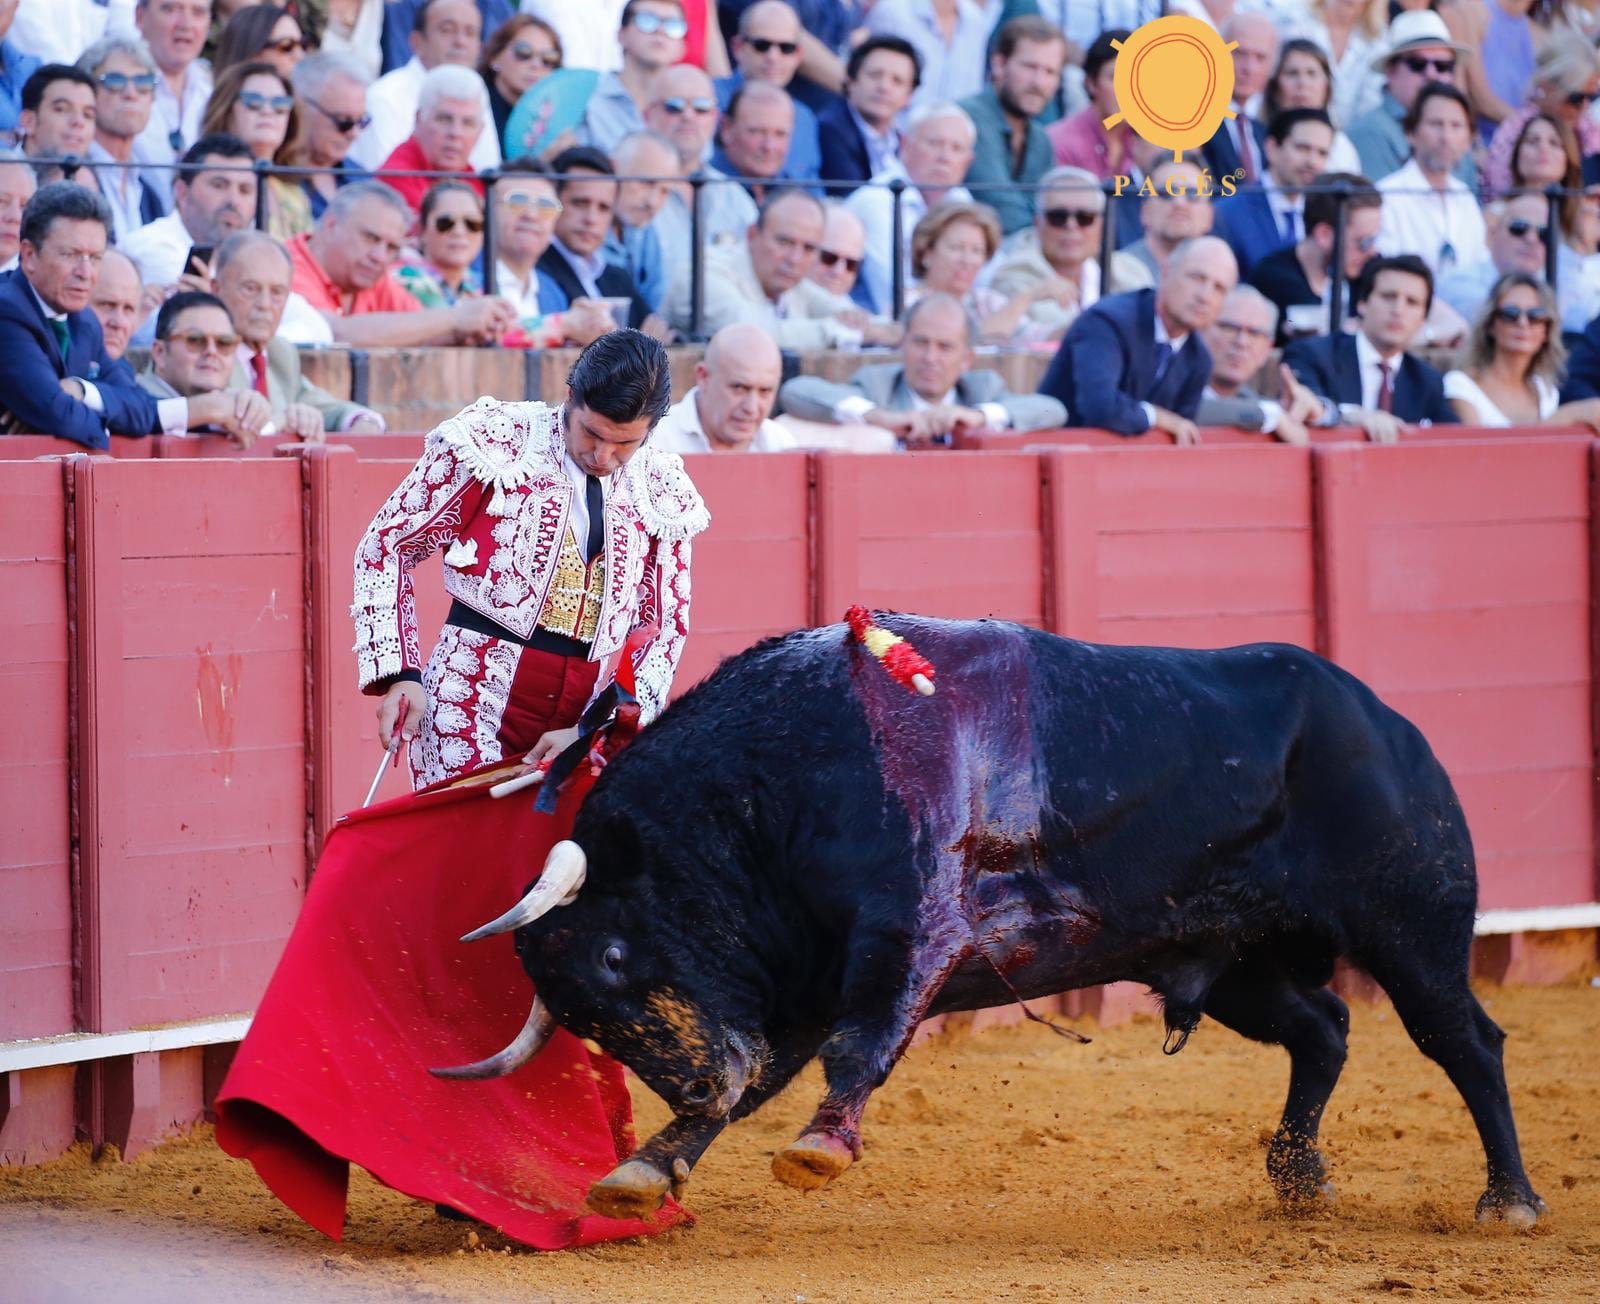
(1385, 390)
(1246, 163)
(258, 366)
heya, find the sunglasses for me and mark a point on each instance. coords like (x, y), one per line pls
(1059, 217)
(764, 45)
(1511, 315)
(343, 124)
(444, 225)
(118, 82)
(287, 45)
(199, 341)
(255, 101)
(521, 51)
(700, 104)
(1417, 64)
(1581, 99)
(1520, 226)
(1367, 243)
(521, 199)
(830, 259)
(650, 24)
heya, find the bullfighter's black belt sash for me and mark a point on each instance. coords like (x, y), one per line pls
(542, 640)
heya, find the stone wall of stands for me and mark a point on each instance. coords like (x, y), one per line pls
(181, 725)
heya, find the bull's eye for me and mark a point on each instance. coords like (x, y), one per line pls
(612, 959)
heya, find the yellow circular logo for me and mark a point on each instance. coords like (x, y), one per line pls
(1174, 82)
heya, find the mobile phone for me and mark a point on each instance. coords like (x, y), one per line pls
(200, 253)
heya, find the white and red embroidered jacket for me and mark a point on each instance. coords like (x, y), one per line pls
(492, 490)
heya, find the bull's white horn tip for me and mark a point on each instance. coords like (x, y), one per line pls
(923, 685)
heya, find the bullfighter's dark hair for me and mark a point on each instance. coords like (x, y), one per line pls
(1408, 263)
(66, 200)
(624, 375)
(180, 303)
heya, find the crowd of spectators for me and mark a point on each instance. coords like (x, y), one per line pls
(205, 189)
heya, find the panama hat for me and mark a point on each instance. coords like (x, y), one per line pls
(1415, 29)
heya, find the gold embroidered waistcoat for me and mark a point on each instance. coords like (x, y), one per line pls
(572, 606)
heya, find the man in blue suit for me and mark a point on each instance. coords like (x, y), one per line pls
(1135, 362)
(1240, 140)
(857, 131)
(1368, 379)
(1256, 223)
(55, 375)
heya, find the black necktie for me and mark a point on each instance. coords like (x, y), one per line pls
(595, 500)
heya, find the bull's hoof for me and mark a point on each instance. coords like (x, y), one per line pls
(631, 1190)
(1299, 1175)
(810, 1162)
(1519, 1209)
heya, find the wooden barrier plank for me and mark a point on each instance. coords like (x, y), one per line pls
(1457, 583)
(752, 567)
(925, 532)
(35, 828)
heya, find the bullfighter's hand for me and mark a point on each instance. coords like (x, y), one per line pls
(552, 744)
(304, 420)
(389, 708)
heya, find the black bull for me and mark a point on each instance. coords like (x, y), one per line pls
(802, 858)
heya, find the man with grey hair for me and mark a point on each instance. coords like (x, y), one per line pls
(935, 152)
(125, 77)
(342, 269)
(935, 394)
(763, 280)
(330, 95)
(56, 377)
(450, 120)
(1240, 341)
(17, 185)
(444, 32)
(118, 301)
(253, 275)
(1050, 271)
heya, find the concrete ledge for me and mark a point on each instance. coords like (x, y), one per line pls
(77, 1047)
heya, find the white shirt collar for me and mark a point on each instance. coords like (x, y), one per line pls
(1177, 341)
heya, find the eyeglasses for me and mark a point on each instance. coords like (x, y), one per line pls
(828, 258)
(1520, 226)
(1059, 217)
(1239, 328)
(650, 24)
(199, 341)
(117, 82)
(444, 225)
(1367, 243)
(1581, 99)
(287, 45)
(763, 45)
(343, 124)
(1417, 64)
(522, 199)
(700, 104)
(1511, 314)
(522, 52)
(255, 101)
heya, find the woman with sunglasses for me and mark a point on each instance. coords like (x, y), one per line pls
(523, 51)
(253, 102)
(261, 34)
(1515, 362)
(1566, 79)
(1303, 79)
(449, 241)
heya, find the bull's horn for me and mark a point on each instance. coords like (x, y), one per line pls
(558, 885)
(535, 1032)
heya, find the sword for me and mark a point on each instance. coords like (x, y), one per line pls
(391, 753)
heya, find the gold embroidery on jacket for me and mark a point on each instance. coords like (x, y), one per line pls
(572, 607)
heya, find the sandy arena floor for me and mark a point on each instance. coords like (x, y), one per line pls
(1012, 1166)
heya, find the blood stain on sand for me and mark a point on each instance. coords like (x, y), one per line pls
(1118, 1174)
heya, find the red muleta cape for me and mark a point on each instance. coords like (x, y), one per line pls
(374, 987)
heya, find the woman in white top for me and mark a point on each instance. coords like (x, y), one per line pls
(1303, 80)
(1514, 361)
(1353, 32)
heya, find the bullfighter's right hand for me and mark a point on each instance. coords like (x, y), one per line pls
(389, 708)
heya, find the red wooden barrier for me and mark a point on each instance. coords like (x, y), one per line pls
(1210, 436)
(1457, 584)
(1196, 547)
(24, 448)
(943, 534)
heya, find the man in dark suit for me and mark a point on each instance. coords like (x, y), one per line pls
(1136, 362)
(1368, 379)
(55, 375)
(857, 130)
(1240, 142)
(1296, 278)
(588, 194)
(1256, 223)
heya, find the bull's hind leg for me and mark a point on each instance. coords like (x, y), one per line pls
(1262, 1003)
(1436, 1004)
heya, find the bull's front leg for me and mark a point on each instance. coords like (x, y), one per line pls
(889, 985)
